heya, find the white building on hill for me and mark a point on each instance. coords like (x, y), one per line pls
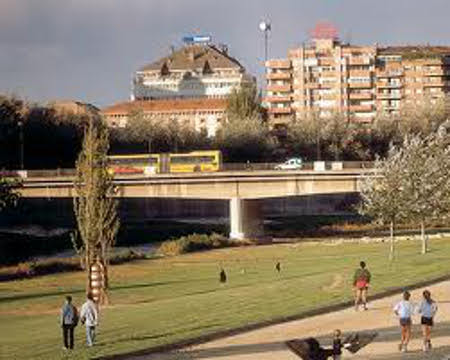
(194, 71)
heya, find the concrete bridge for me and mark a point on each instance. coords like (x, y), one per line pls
(242, 189)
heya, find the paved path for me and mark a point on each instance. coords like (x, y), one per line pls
(268, 343)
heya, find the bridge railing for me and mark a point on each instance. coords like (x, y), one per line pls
(328, 165)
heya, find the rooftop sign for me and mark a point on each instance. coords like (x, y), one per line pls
(197, 39)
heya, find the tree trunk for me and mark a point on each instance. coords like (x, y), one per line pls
(87, 264)
(424, 238)
(392, 241)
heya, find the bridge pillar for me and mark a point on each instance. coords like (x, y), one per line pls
(246, 220)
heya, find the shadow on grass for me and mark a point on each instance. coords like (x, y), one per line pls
(81, 291)
(388, 334)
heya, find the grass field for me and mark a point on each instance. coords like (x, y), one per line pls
(165, 300)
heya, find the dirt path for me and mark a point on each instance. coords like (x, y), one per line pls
(268, 343)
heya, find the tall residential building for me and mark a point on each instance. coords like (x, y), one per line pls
(195, 70)
(359, 81)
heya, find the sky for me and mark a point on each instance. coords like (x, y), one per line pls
(87, 50)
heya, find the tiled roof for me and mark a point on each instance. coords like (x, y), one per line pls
(166, 106)
(193, 57)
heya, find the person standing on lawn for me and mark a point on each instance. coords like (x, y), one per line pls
(68, 321)
(361, 281)
(89, 317)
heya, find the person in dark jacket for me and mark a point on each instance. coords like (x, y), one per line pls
(68, 322)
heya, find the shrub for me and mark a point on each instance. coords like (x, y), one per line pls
(33, 268)
(194, 242)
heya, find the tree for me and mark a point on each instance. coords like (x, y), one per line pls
(424, 118)
(426, 179)
(12, 116)
(307, 136)
(338, 133)
(94, 205)
(243, 103)
(382, 193)
(8, 193)
(155, 134)
(245, 139)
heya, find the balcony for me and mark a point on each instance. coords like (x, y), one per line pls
(360, 96)
(361, 108)
(360, 73)
(328, 74)
(437, 72)
(440, 83)
(388, 85)
(360, 85)
(359, 60)
(390, 74)
(278, 76)
(279, 110)
(279, 88)
(274, 99)
(382, 96)
(312, 85)
(279, 64)
(325, 61)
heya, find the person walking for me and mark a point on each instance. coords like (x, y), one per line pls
(361, 281)
(427, 309)
(404, 310)
(68, 322)
(89, 317)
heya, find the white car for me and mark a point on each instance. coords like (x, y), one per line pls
(291, 164)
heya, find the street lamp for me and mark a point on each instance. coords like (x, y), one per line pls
(21, 144)
(265, 27)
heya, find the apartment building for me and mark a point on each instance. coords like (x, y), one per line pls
(190, 86)
(408, 75)
(193, 71)
(328, 76)
(199, 114)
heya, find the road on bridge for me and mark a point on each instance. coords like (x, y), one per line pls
(268, 343)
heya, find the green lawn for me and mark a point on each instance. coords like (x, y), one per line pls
(162, 301)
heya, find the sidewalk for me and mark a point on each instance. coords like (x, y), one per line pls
(268, 343)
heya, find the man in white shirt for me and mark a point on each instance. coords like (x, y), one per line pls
(89, 317)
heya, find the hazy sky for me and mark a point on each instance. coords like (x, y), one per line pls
(88, 49)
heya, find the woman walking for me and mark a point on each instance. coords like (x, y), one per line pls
(427, 309)
(361, 281)
(404, 310)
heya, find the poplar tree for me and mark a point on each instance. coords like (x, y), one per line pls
(383, 194)
(426, 180)
(94, 205)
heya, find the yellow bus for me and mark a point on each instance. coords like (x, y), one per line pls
(148, 164)
(196, 161)
(141, 164)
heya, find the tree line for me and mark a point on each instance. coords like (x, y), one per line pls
(47, 138)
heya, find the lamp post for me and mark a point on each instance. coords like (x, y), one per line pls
(265, 27)
(21, 144)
